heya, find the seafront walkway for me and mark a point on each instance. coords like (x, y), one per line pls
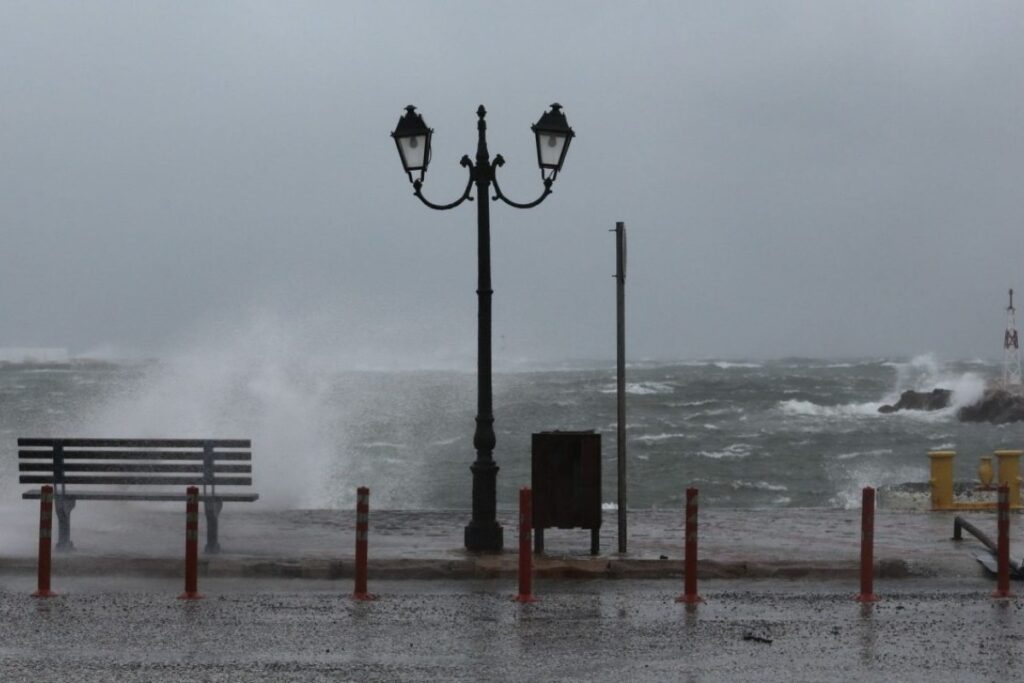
(820, 544)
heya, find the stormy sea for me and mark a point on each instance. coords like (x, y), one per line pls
(780, 433)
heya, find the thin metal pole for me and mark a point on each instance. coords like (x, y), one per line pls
(620, 282)
(483, 533)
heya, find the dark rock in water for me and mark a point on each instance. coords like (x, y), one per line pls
(936, 399)
(996, 406)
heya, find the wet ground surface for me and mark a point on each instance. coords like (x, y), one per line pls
(320, 543)
(123, 629)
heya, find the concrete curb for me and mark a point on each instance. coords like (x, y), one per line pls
(480, 567)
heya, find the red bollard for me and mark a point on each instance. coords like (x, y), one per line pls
(45, 541)
(191, 545)
(867, 547)
(362, 529)
(689, 595)
(525, 551)
(1003, 545)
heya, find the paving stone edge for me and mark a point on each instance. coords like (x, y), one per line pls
(479, 567)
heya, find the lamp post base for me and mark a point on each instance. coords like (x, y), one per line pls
(487, 537)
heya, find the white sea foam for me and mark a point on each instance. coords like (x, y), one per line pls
(717, 411)
(739, 485)
(654, 438)
(720, 364)
(735, 451)
(641, 388)
(859, 454)
(383, 444)
(807, 408)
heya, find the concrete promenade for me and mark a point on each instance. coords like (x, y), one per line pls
(134, 630)
(143, 540)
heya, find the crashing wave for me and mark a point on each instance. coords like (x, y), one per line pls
(641, 388)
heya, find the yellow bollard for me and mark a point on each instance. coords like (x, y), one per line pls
(942, 479)
(985, 472)
(1009, 473)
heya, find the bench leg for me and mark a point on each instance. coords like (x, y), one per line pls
(538, 541)
(65, 504)
(212, 506)
(595, 541)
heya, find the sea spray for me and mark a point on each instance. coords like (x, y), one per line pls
(926, 372)
(253, 385)
(921, 373)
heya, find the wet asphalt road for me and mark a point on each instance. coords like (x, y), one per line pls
(280, 630)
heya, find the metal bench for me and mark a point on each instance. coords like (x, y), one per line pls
(77, 468)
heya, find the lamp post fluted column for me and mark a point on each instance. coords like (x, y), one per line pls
(413, 137)
(483, 531)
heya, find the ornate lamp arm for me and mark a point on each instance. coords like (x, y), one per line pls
(418, 184)
(500, 161)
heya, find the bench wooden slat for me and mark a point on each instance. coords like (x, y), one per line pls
(133, 455)
(91, 495)
(136, 443)
(165, 481)
(132, 467)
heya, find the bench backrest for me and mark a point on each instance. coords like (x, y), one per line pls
(167, 462)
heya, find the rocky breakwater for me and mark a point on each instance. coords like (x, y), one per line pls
(996, 406)
(936, 399)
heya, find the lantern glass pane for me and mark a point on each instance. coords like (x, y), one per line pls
(413, 150)
(549, 148)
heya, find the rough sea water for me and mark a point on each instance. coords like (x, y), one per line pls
(792, 432)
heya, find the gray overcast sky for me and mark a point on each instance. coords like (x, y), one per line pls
(798, 178)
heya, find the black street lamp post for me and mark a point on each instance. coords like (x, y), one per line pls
(412, 136)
